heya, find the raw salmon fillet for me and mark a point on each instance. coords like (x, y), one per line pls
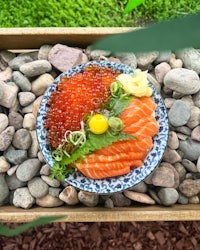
(119, 157)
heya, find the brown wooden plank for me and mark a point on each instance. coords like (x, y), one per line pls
(100, 214)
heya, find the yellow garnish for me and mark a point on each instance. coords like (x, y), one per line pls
(98, 124)
(136, 85)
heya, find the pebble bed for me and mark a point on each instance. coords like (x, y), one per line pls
(24, 175)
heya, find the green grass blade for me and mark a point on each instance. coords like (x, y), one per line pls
(35, 223)
(169, 35)
(132, 4)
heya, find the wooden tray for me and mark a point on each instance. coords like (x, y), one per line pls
(33, 38)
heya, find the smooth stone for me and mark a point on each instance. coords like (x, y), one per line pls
(6, 74)
(43, 52)
(6, 138)
(34, 147)
(9, 95)
(190, 58)
(6, 56)
(193, 200)
(175, 63)
(108, 203)
(45, 170)
(144, 60)
(88, 199)
(188, 100)
(119, 200)
(173, 141)
(161, 70)
(32, 54)
(28, 169)
(194, 117)
(165, 176)
(168, 196)
(15, 156)
(29, 121)
(63, 57)
(153, 80)
(128, 59)
(28, 109)
(180, 170)
(12, 170)
(38, 187)
(167, 90)
(36, 105)
(50, 182)
(21, 81)
(54, 191)
(190, 148)
(182, 199)
(148, 179)
(4, 164)
(198, 164)
(15, 120)
(184, 129)
(196, 98)
(4, 191)
(3, 122)
(25, 98)
(169, 102)
(139, 197)
(179, 114)
(22, 198)
(154, 196)
(69, 195)
(35, 68)
(182, 80)
(177, 95)
(41, 157)
(189, 187)
(96, 54)
(141, 187)
(171, 156)
(189, 165)
(40, 85)
(163, 56)
(49, 201)
(16, 62)
(22, 139)
(13, 182)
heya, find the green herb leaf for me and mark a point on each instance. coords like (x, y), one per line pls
(117, 105)
(132, 4)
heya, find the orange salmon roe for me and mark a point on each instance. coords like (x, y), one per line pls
(74, 98)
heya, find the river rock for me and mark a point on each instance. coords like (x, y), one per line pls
(21, 81)
(6, 56)
(164, 56)
(190, 148)
(40, 85)
(189, 187)
(144, 60)
(128, 59)
(88, 199)
(179, 114)
(50, 182)
(171, 156)
(9, 95)
(4, 165)
(193, 200)
(190, 58)
(198, 164)
(4, 191)
(194, 117)
(182, 80)
(196, 134)
(6, 74)
(12, 170)
(119, 200)
(173, 141)
(182, 199)
(161, 70)
(16, 62)
(44, 52)
(6, 138)
(28, 169)
(175, 63)
(180, 170)
(54, 191)
(22, 139)
(35, 68)
(3, 122)
(168, 196)
(45, 170)
(189, 165)
(28, 109)
(63, 57)
(108, 203)
(15, 120)
(49, 201)
(29, 121)
(153, 80)
(69, 195)
(15, 156)
(139, 197)
(141, 187)
(13, 182)
(25, 98)
(22, 198)
(38, 187)
(34, 147)
(196, 99)
(96, 54)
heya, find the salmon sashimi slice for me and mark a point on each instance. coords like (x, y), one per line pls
(104, 165)
(96, 158)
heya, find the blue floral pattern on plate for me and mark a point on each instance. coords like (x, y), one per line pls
(115, 184)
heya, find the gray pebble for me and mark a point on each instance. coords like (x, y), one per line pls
(6, 56)
(198, 164)
(41, 157)
(185, 130)
(171, 156)
(168, 196)
(144, 60)
(154, 196)
(28, 169)
(22, 139)
(128, 59)
(96, 54)
(173, 141)
(28, 108)
(196, 99)
(16, 62)
(3, 122)
(6, 137)
(50, 182)
(88, 199)
(12, 170)
(108, 203)
(54, 191)
(161, 70)
(22, 198)
(70, 196)
(4, 191)
(189, 187)
(35, 68)
(45, 170)
(25, 98)
(34, 147)
(163, 56)
(15, 156)
(169, 102)
(153, 80)
(44, 52)
(179, 114)
(180, 170)
(190, 148)
(189, 165)
(15, 120)
(195, 135)
(194, 117)
(182, 199)
(140, 187)
(38, 187)
(13, 182)
(22, 81)
(182, 80)
(9, 95)
(119, 200)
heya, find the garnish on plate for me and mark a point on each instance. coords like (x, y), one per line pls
(103, 125)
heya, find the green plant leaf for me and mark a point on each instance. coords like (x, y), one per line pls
(132, 4)
(35, 223)
(169, 35)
